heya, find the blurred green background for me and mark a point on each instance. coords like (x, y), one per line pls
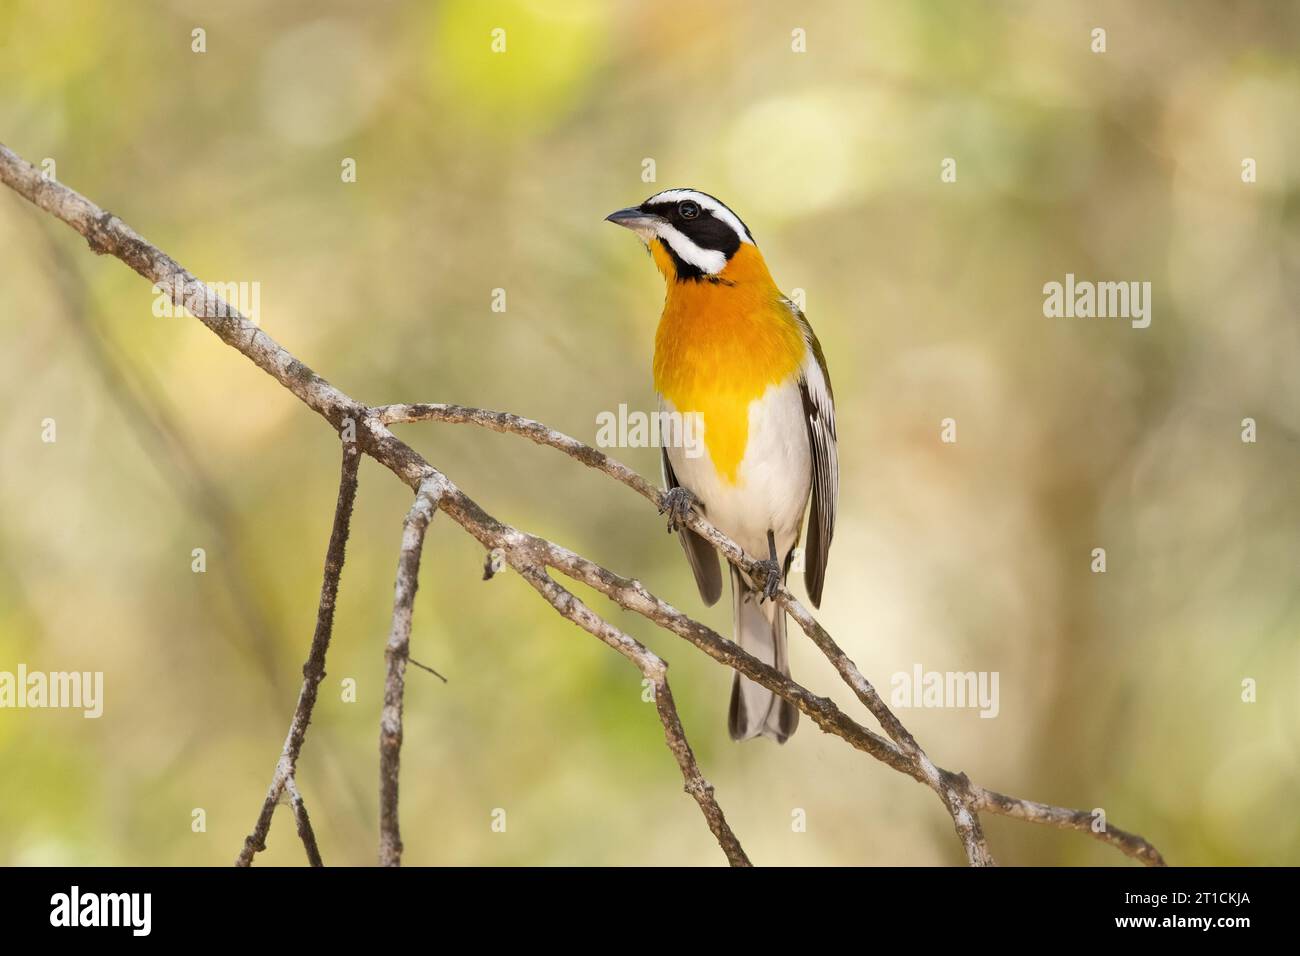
(479, 170)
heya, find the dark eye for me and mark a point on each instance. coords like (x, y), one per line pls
(688, 209)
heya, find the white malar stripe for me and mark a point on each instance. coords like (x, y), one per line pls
(706, 202)
(709, 261)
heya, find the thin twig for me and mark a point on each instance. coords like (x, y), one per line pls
(1130, 844)
(303, 822)
(655, 669)
(395, 655)
(313, 671)
(696, 785)
(425, 667)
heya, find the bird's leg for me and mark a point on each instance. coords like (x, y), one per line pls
(677, 503)
(771, 568)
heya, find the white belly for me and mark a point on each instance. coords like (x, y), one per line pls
(772, 482)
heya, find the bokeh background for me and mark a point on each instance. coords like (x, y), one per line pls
(478, 171)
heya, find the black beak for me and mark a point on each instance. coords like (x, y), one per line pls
(633, 218)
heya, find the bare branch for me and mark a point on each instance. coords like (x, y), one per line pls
(106, 234)
(1130, 844)
(395, 656)
(313, 672)
(303, 822)
(655, 670)
(696, 785)
(960, 804)
(962, 799)
(510, 424)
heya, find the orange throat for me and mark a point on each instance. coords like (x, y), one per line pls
(722, 341)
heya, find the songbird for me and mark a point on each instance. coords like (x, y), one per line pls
(736, 352)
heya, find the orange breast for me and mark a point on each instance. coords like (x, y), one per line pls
(720, 345)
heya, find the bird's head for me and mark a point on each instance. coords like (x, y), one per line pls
(693, 237)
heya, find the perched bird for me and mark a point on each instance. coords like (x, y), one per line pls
(732, 349)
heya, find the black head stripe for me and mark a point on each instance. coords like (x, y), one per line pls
(743, 225)
(705, 230)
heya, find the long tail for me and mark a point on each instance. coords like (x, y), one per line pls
(760, 630)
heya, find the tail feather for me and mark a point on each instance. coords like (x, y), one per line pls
(759, 630)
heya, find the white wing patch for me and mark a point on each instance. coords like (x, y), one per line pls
(819, 410)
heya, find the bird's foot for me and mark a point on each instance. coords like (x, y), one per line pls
(677, 503)
(768, 575)
(770, 572)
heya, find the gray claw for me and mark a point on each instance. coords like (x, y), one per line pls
(771, 582)
(677, 504)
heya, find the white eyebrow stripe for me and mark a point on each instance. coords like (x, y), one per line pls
(709, 261)
(706, 202)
